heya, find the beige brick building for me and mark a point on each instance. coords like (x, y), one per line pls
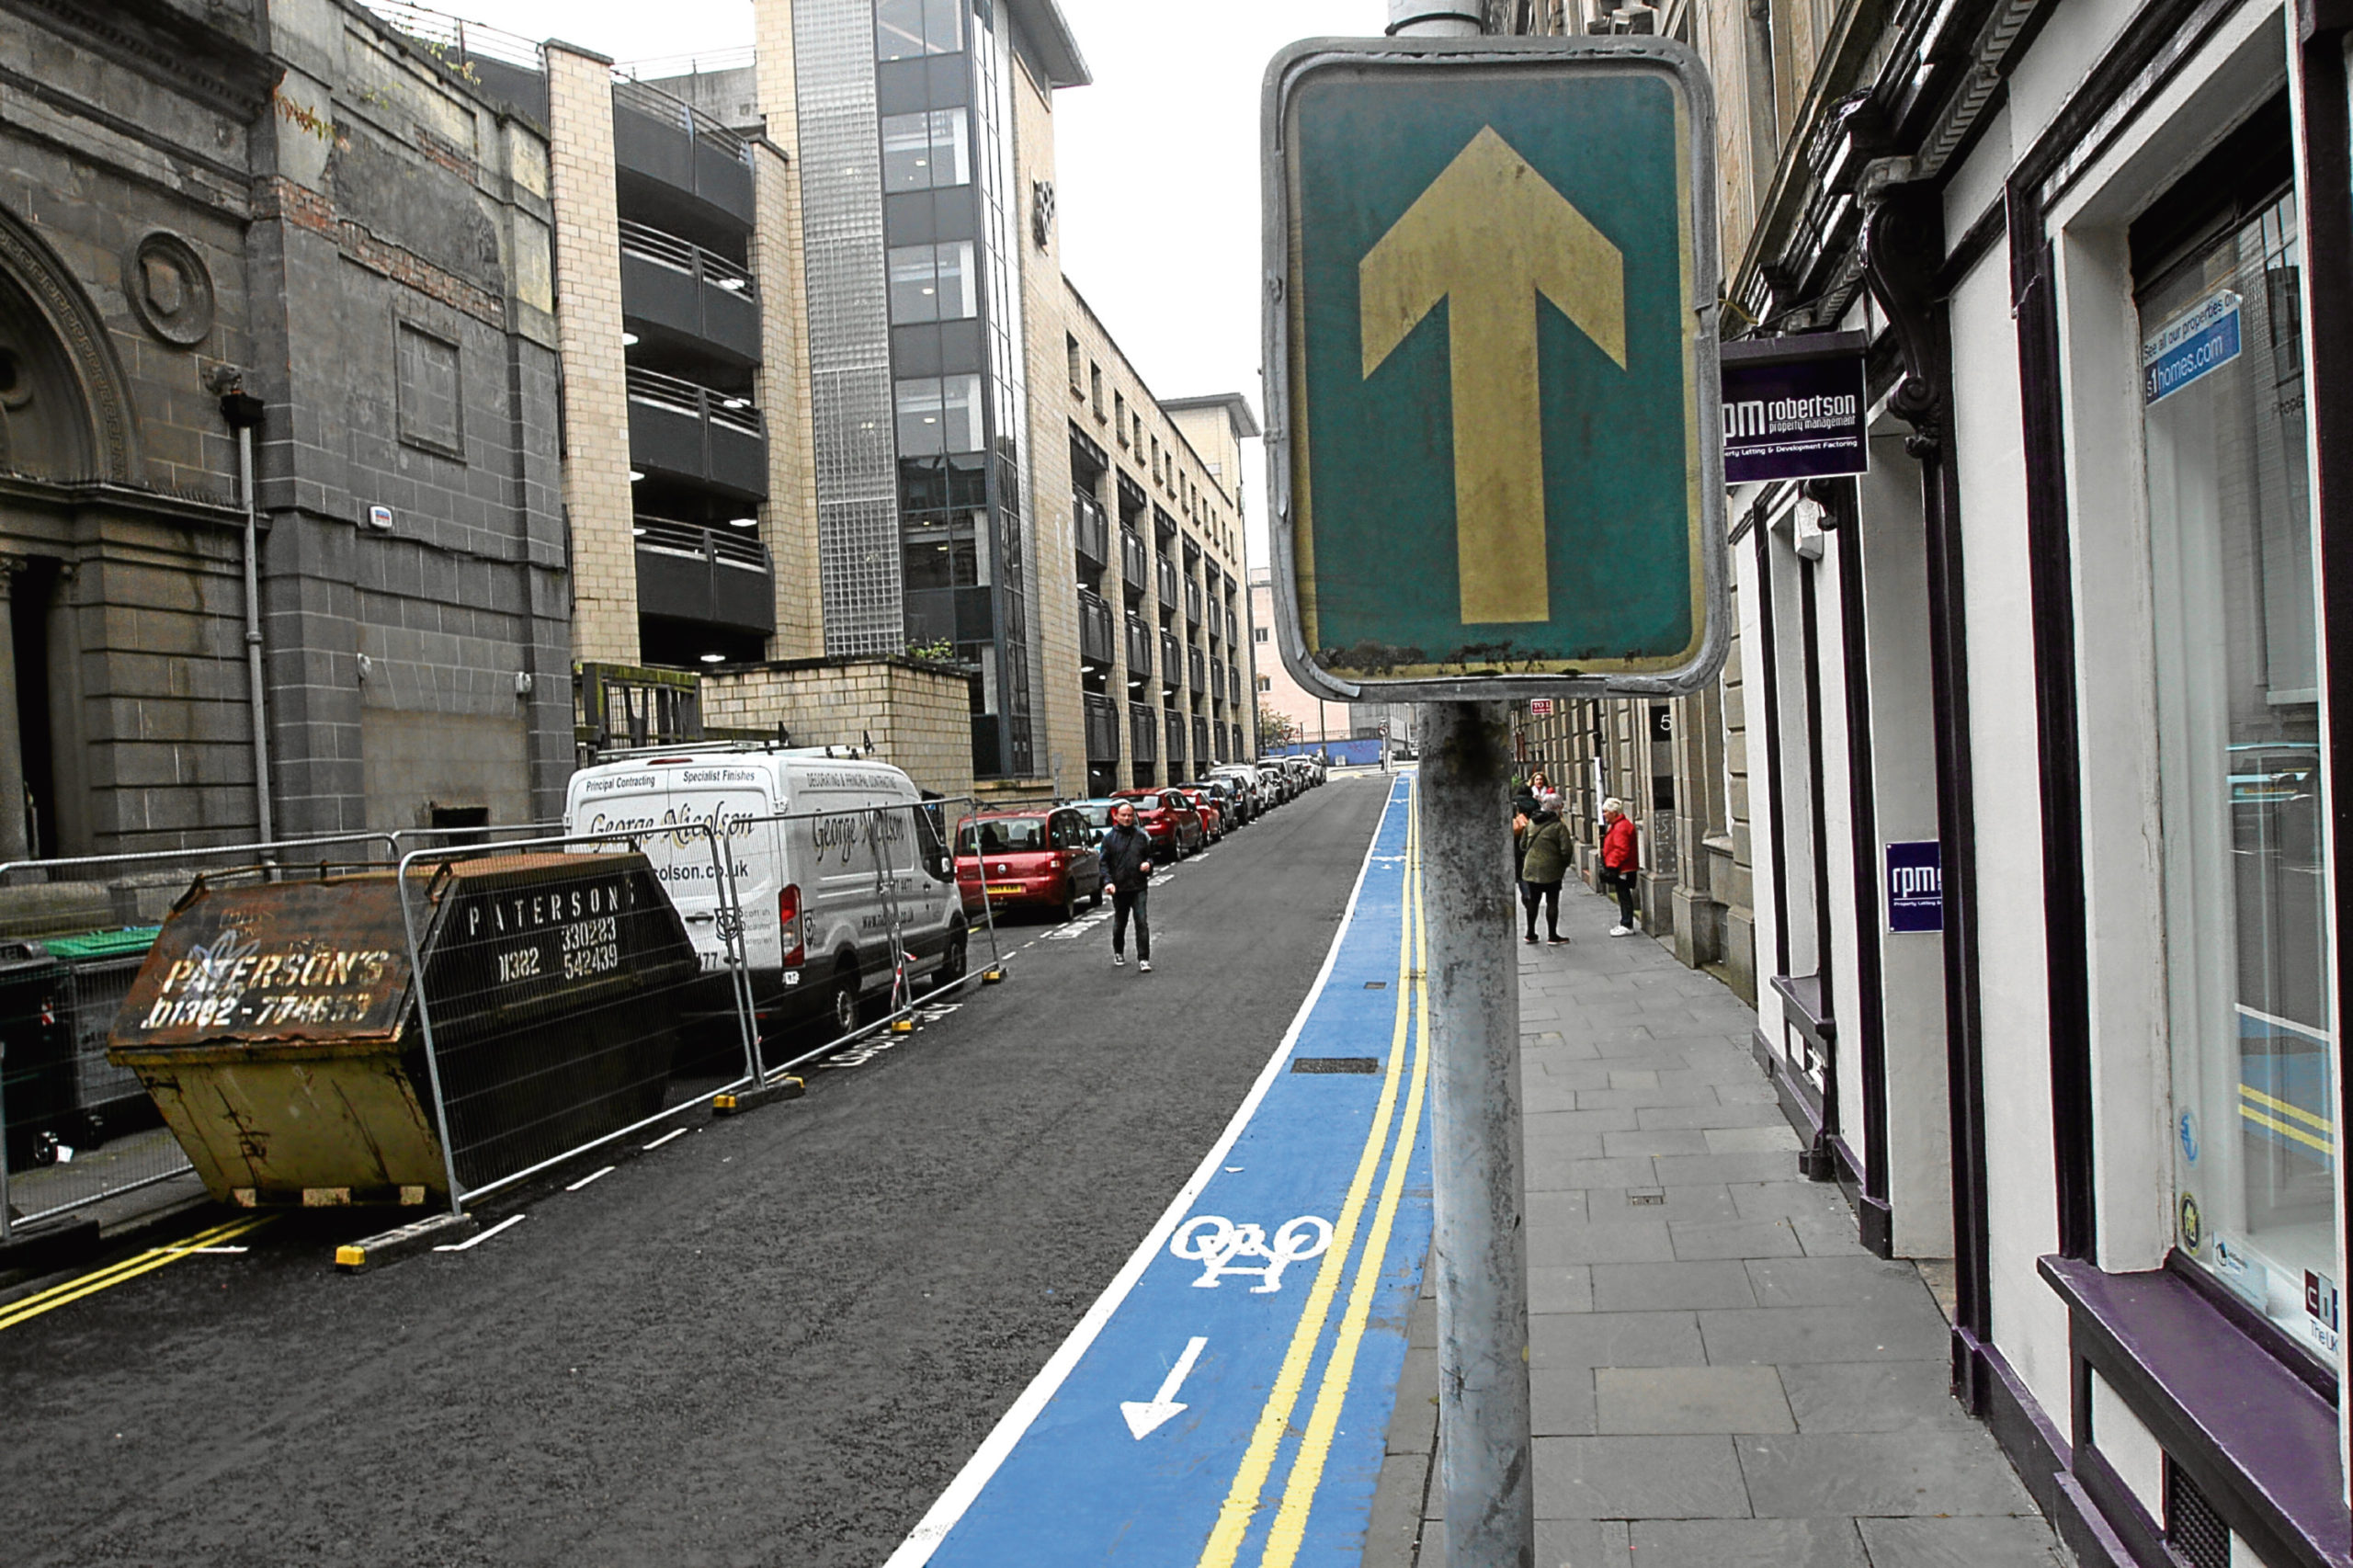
(831, 404)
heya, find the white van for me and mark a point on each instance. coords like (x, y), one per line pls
(820, 890)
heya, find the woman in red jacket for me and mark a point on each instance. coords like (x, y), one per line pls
(1619, 859)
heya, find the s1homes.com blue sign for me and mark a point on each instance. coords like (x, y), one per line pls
(2202, 339)
(1916, 886)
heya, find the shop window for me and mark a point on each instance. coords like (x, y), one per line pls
(2242, 774)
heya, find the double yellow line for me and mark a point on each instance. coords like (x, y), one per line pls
(108, 1278)
(1243, 1499)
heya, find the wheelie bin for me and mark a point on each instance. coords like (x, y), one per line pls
(277, 1024)
(36, 1079)
(106, 1100)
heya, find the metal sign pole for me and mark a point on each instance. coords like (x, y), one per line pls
(1480, 1245)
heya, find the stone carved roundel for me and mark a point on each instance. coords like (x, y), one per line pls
(170, 289)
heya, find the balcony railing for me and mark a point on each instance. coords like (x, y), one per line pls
(1201, 668)
(1139, 647)
(1217, 680)
(712, 575)
(1192, 603)
(1177, 767)
(1172, 661)
(1093, 530)
(1165, 570)
(1102, 728)
(1200, 744)
(1094, 630)
(682, 430)
(1144, 731)
(1135, 561)
(670, 141)
(672, 289)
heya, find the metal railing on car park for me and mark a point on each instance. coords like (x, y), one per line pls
(70, 1137)
(668, 250)
(683, 397)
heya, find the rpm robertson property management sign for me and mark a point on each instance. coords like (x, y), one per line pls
(1794, 408)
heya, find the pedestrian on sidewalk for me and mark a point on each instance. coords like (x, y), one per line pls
(1620, 859)
(1543, 860)
(1126, 852)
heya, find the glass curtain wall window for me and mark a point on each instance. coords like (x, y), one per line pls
(926, 150)
(937, 415)
(2254, 1142)
(933, 283)
(905, 29)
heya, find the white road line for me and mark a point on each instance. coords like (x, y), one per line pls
(673, 1132)
(592, 1176)
(933, 1528)
(472, 1241)
(184, 1252)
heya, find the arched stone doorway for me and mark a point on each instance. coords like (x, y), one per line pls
(64, 422)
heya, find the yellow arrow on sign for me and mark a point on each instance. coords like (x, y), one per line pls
(1490, 233)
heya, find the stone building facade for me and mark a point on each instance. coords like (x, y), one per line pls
(294, 207)
(947, 430)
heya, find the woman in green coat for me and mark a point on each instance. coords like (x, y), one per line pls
(1543, 861)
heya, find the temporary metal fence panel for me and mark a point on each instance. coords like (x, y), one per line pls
(892, 859)
(555, 979)
(77, 1129)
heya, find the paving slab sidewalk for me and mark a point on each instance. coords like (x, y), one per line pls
(1721, 1376)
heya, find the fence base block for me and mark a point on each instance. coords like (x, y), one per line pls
(993, 977)
(39, 1249)
(394, 1244)
(740, 1100)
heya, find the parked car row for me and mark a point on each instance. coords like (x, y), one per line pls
(1044, 857)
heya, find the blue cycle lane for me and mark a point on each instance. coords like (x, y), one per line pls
(1226, 1401)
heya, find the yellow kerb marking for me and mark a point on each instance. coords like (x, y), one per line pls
(115, 1274)
(1488, 235)
(1274, 1421)
(1289, 1530)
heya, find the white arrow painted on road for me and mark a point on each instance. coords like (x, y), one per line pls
(1141, 1418)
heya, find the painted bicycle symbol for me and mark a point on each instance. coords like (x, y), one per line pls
(1220, 1245)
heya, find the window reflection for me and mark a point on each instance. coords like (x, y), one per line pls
(905, 29)
(2239, 743)
(926, 150)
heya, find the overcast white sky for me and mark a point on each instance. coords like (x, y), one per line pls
(1157, 194)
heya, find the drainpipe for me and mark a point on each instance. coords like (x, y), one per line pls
(244, 413)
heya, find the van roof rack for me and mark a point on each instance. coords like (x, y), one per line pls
(736, 748)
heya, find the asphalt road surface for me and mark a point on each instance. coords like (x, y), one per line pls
(772, 1340)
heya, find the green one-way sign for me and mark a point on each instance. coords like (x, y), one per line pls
(1494, 443)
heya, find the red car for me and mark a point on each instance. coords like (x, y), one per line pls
(1170, 820)
(1041, 858)
(1212, 814)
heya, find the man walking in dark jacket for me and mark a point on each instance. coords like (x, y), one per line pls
(1126, 850)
